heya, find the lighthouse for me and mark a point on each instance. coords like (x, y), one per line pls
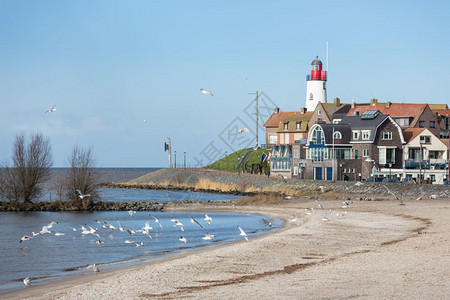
(316, 89)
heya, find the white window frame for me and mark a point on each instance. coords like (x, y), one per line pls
(337, 135)
(365, 135)
(355, 135)
(386, 135)
(366, 152)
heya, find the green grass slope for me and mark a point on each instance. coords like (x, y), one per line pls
(229, 162)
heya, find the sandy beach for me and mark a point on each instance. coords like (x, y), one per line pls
(377, 250)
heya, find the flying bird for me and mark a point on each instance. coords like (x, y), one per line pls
(242, 233)
(208, 237)
(182, 239)
(178, 223)
(194, 221)
(242, 130)
(157, 221)
(319, 204)
(24, 238)
(81, 195)
(390, 192)
(131, 212)
(204, 91)
(208, 219)
(27, 281)
(53, 109)
(267, 222)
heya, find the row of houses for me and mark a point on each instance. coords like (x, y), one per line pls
(357, 142)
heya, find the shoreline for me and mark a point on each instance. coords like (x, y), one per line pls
(290, 262)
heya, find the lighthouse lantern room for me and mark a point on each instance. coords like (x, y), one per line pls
(316, 85)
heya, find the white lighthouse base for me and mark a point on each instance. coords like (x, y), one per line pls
(315, 91)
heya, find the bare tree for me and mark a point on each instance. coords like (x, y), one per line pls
(31, 168)
(82, 175)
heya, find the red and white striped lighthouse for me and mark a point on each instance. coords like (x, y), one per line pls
(316, 89)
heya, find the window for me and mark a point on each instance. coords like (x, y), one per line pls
(317, 136)
(365, 152)
(297, 125)
(311, 97)
(355, 135)
(336, 121)
(273, 139)
(356, 154)
(337, 135)
(319, 112)
(386, 156)
(285, 127)
(425, 139)
(421, 124)
(432, 124)
(365, 134)
(386, 135)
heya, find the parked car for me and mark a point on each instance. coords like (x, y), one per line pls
(447, 182)
(390, 180)
(374, 179)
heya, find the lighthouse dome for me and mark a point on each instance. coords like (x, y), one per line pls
(316, 61)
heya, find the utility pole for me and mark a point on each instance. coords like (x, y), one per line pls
(257, 119)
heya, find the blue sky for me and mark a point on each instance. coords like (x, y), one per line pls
(108, 65)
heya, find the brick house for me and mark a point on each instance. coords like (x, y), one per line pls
(272, 125)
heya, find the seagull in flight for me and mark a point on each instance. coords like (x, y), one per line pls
(204, 91)
(182, 239)
(208, 237)
(242, 233)
(81, 195)
(131, 212)
(27, 281)
(319, 204)
(24, 238)
(157, 221)
(178, 223)
(207, 219)
(242, 130)
(53, 109)
(194, 221)
(267, 222)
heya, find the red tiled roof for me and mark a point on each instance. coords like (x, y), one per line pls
(275, 119)
(410, 133)
(394, 110)
(442, 112)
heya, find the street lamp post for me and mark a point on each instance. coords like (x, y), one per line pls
(175, 153)
(390, 170)
(185, 159)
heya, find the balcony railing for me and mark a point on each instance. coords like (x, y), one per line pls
(426, 163)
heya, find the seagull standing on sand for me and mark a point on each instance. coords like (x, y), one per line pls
(208, 219)
(194, 221)
(204, 91)
(95, 268)
(27, 281)
(242, 233)
(53, 109)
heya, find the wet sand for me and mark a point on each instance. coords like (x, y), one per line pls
(378, 250)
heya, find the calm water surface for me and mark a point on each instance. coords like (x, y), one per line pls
(49, 257)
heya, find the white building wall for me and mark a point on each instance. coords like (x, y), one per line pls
(319, 92)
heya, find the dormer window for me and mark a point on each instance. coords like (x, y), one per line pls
(285, 126)
(355, 135)
(365, 134)
(337, 135)
(297, 125)
(317, 136)
(386, 135)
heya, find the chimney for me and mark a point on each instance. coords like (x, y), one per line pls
(337, 101)
(373, 101)
(276, 110)
(353, 104)
(302, 110)
(388, 104)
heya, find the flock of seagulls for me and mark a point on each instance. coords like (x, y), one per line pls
(147, 230)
